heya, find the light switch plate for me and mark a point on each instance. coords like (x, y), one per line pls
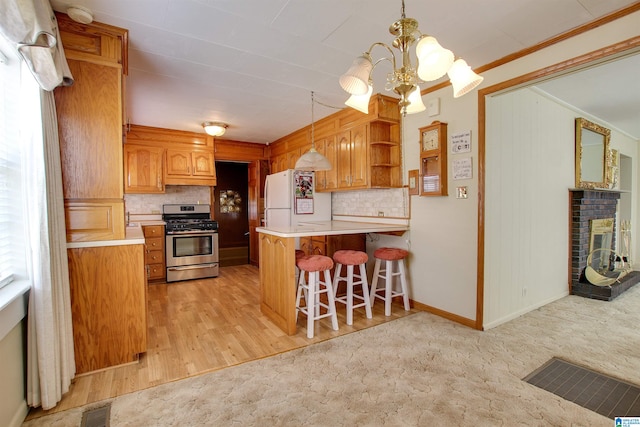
(461, 192)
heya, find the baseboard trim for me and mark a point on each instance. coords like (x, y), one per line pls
(447, 315)
(20, 415)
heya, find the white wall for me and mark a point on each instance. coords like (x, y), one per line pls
(13, 404)
(444, 232)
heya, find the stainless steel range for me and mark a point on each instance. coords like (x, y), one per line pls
(191, 242)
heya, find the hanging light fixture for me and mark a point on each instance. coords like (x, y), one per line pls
(312, 160)
(215, 128)
(433, 62)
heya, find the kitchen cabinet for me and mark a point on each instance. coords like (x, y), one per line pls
(328, 245)
(177, 157)
(328, 180)
(352, 166)
(90, 126)
(108, 305)
(316, 245)
(185, 166)
(364, 149)
(155, 264)
(143, 169)
(278, 163)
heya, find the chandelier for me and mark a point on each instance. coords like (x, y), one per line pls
(432, 62)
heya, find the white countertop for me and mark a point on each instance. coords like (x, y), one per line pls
(133, 236)
(327, 228)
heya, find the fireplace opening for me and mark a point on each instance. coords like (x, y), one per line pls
(601, 235)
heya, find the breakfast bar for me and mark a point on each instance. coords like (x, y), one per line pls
(277, 262)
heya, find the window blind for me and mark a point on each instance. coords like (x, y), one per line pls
(12, 247)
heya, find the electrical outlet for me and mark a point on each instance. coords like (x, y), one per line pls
(380, 213)
(524, 292)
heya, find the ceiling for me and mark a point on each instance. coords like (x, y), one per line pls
(253, 63)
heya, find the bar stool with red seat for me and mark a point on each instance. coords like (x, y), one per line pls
(314, 265)
(350, 259)
(391, 257)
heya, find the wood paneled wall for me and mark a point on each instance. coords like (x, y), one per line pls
(529, 158)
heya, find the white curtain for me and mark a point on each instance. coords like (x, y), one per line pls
(31, 26)
(50, 355)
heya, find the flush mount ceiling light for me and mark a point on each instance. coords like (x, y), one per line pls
(80, 14)
(215, 128)
(312, 160)
(433, 61)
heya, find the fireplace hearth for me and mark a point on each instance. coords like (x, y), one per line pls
(588, 205)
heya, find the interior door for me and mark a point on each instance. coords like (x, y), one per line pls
(257, 172)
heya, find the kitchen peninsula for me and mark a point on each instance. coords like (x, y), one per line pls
(277, 262)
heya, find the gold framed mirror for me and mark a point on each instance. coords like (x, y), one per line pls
(592, 149)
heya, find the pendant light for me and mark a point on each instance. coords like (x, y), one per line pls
(312, 160)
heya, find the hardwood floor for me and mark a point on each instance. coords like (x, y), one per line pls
(201, 326)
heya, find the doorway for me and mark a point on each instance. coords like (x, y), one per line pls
(230, 206)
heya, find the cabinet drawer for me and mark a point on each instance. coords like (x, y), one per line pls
(153, 231)
(154, 257)
(155, 271)
(154, 243)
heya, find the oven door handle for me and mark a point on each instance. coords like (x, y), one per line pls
(191, 267)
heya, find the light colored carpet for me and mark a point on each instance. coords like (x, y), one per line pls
(421, 370)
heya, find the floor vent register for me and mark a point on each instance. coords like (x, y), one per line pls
(600, 393)
(97, 417)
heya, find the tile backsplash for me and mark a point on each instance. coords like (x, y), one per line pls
(391, 202)
(138, 204)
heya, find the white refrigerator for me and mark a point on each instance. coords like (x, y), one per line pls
(290, 198)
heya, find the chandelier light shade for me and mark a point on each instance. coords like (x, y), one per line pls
(312, 160)
(356, 79)
(215, 128)
(360, 102)
(463, 78)
(415, 102)
(433, 59)
(432, 62)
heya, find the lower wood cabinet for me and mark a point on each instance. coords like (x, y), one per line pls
(108, 305)
(327, 245)
(154, 252)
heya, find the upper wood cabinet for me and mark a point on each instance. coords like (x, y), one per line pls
(90, 124)
(178, 157)
(364, 149)
(196, 167)
(144, 171)
(328, 180)
(352, 166)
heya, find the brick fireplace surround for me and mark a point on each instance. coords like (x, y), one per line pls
(586, 205)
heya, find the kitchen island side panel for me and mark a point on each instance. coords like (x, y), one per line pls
(108, 305)
(277, 281)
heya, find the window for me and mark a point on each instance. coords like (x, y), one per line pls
(16, 93)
